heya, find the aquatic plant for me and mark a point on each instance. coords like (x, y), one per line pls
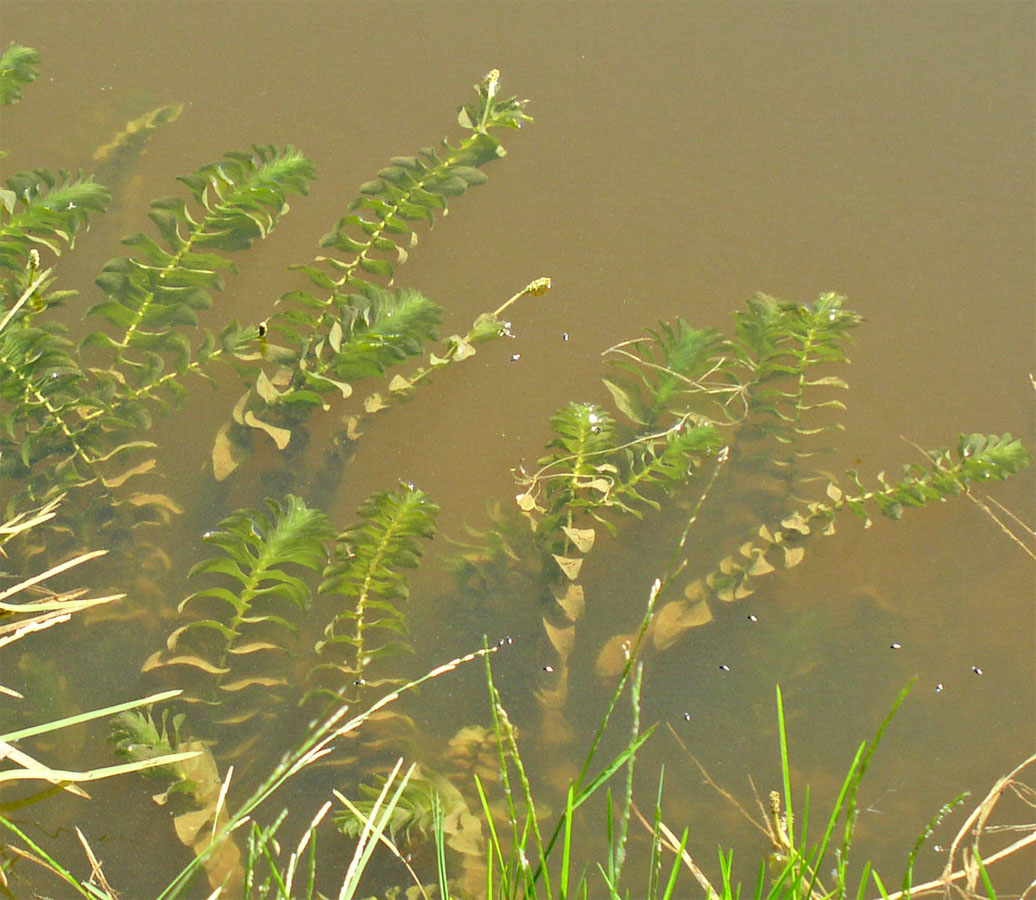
(752, 414)
(289, 652)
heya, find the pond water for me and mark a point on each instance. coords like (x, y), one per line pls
(683, 157)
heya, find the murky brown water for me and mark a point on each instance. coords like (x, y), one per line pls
(683, 156)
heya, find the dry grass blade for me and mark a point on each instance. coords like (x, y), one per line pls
(1021, 533)
(96, 872)
(307, 836)
(730, 798)
(387, 841)
(25, 521)
(27, 762)
(45, 773)
(672, 843)
(977, 824)
(374, 826)
(26, 294)
(43, 576)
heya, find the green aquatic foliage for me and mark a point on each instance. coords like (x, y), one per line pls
(414, 818)
(19, 66)
(947, 474)
(258, 640)
(664, 372)
(194, 795)
(46, 210)
(119, 155)
(319, 343)
(756, 411)
(369, 571)
(162, 286)
(241, 639)
(70, 424)
(77, 416)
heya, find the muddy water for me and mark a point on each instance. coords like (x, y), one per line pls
(683, 156)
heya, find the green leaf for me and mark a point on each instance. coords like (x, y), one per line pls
(19, 66)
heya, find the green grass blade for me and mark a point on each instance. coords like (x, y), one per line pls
(990, 892)
(785, 768)
(566, 848)
(85, 890)
(440, 847)
(69, 721)
(675, 871)
(881, 887)
(817, 859)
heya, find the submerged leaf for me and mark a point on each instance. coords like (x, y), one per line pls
(561, 639)
(582, 538)
(569, 565)
(676, 617)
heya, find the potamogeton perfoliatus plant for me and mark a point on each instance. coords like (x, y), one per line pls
(779, 545)
(243, 634)
(367, 584)
(256, 641)
(314, 338)
(764, 394)
(75, 419)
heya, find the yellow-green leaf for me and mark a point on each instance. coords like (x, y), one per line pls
(675, 618)
(227, 455)
(155, 661)
(373, 403)
(572, 601)
(582, 538)
(119, 480)
(569, 565)
(281, 436)
(793, 556)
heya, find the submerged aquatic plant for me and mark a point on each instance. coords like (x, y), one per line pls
(289, 653)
